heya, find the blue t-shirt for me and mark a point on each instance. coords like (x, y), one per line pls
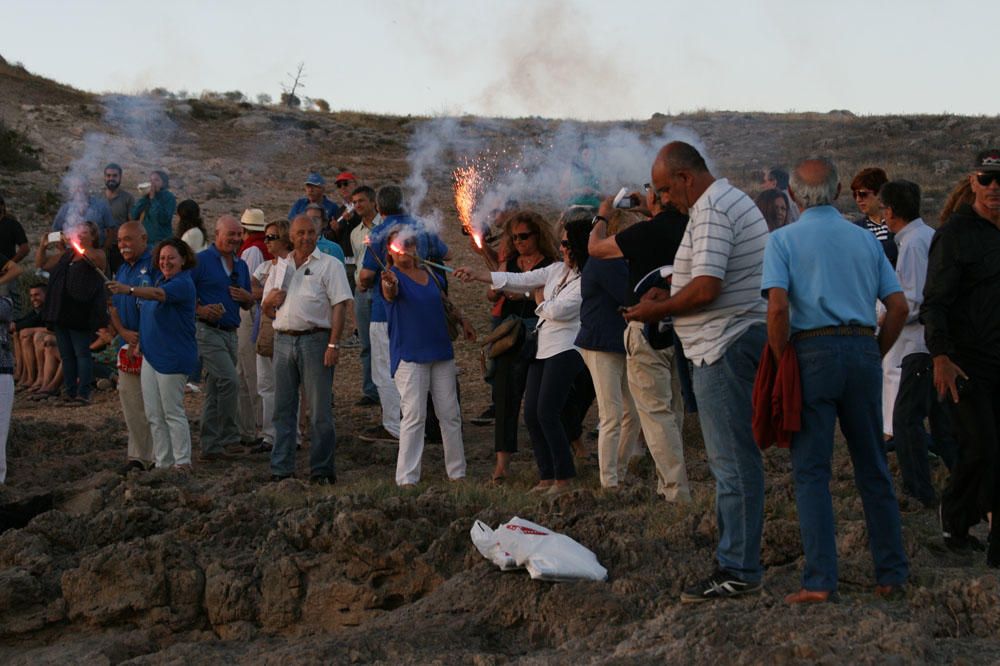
(329, 247)
(299, 207)
(166, 330)
(418, 332)
(833, 270)
(604, 288)
(212, 283)
(98, 211)
(429, 246)
(139, 274)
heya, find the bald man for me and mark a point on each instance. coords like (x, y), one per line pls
(719, 316)
(135, 271)
(830, 323)
(222, 282)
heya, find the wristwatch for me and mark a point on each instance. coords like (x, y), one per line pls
(333, 345)
(598, 218)
(131, 290)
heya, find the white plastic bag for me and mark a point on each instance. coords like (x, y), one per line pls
(546, 555)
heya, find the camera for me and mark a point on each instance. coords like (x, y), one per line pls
(55, 236)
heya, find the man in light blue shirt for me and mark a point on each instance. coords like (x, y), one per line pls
(822, 276)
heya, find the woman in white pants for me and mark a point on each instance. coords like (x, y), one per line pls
(422, 359)
(169, 350)
(278, 244)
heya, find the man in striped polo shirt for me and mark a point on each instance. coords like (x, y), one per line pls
(719, 315)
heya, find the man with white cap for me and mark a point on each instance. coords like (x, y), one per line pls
(254, 252)
(315, 194)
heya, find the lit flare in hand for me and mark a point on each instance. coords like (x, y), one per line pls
(83, 254)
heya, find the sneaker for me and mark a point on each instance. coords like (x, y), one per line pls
(377, 434)
(131, 465)
(720, 585)
(488, 417)
(366, 401)
(352, 342)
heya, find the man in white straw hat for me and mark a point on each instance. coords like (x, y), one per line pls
(254, 252)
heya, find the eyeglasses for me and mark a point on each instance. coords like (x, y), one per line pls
(523, 237)
(564, 243)
(985, 179)
(862, 194)
(271, 237)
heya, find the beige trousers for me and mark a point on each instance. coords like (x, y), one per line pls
(618, 420)
(246, 369)
(140, 439)
(661, 411)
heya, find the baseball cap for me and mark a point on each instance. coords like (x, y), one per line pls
(988, 160)
(315, 179)
(345, 175)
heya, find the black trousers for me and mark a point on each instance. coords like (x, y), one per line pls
(916, 401)
(545, 396)
(974, 486)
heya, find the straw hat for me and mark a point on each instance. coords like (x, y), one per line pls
(253, 219)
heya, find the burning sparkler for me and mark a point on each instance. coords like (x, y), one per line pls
(468, 184)
(83, 254)
(395, 247)
(368, 248)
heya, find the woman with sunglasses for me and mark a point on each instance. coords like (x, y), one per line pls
(557, 362)
(421, 359)
(278, 244)
(528, 244)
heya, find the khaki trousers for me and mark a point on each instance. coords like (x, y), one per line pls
(140, 439)
(618, 420)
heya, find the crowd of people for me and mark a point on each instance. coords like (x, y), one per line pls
(697, 299)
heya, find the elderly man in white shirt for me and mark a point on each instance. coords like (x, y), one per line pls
(307, 295)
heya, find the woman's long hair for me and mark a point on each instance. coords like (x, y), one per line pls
(578, 235)
(189, 217)
(767, 203)
(548, 246)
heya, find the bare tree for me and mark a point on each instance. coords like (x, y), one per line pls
(288, 97)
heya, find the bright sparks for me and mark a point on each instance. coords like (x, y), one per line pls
(468, 186)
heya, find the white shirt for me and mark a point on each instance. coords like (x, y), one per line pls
(358, 236)
(253, 258)
(724, 239)
(559, 313)
(914, 241)
(195, 239)
(310, 291)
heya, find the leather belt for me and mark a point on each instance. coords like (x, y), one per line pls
(212, 324)
(308, 331)
(856, 331)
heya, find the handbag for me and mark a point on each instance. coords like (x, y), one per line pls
(501, 340)
(452, 316)
(265, 337)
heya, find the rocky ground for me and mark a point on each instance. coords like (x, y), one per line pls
(223, 565)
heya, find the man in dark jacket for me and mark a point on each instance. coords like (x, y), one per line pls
(961, 315)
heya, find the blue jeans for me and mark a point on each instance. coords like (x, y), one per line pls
(546, 393)
(842, 378)
(363, 319)
(298, 361)
(77, 361)
(723, 390)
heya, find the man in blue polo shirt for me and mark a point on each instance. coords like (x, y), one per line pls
(315, 194)
(822, 276)
(135, 271)
(222, 281)
(389, 201)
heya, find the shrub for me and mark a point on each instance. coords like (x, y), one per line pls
(16, 153)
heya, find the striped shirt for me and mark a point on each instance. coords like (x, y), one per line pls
(725, 239)
(880, 229)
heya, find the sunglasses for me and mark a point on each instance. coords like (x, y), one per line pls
(862, 194)
(985, 179)
(523, 237)
(564, 243)
(344, 183)
(271, 237)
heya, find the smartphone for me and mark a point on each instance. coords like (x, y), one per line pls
(55, 236)
(623, 200)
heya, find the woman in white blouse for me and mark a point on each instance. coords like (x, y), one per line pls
(557, 362)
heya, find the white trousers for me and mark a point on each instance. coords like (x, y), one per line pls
(892, 373)
(265, 387)
(388, 394)
(140, 437)
(661, 411)
(618, 421)
(164, 398)
(413, 381)
(6, 405)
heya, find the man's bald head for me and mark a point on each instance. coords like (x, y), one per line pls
(132, 241)
(815, 182)
(680, 174)
(228, 234)
(680, 156)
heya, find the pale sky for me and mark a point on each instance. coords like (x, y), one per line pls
(555, 58)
